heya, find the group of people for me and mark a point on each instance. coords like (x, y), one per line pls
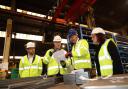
(60, 62)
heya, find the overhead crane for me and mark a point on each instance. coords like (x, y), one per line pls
(78, 8)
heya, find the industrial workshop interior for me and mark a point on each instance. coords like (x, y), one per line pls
(63, 44)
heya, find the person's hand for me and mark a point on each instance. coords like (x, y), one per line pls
(50, 53)
(63, 63)
(68, 54)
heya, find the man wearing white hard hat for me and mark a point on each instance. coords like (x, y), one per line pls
(53, 58)
(107, 58)
(31, 64)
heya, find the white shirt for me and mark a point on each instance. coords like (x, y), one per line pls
(30, 58)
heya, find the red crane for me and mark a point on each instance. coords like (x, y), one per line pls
(77, 9)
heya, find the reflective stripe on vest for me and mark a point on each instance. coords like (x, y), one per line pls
(27, 68)
(39, 58)
(21, 68)
(106, 67)
(39, 67)
(32, 67)
(22, 59)
(81, 61)
(54, 67)
(78, 50)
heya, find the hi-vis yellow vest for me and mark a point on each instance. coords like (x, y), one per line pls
(27, 69)
(81, 55)
(105, 61)
(53, 66)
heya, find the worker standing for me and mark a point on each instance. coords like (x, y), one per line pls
(80, 55)
(31, 64)
(107, 58)
(53, 57)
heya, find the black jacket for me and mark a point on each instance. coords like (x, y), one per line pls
(112, 49)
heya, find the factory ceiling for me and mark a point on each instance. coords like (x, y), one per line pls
(109, 14)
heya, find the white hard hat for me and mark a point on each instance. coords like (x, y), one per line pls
(57, 38)
(30, 45)
(98, 30)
